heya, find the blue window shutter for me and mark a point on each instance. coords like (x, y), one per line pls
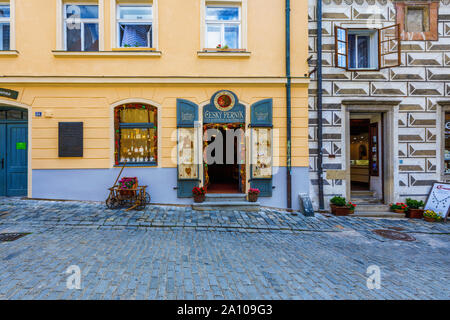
(262, 117)
(187, 115)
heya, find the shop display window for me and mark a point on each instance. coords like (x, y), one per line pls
(136, 134)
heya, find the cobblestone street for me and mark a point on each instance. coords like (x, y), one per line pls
(168, 252)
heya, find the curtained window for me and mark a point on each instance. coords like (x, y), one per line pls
(135, 29)
(136, 134)
(81, 27)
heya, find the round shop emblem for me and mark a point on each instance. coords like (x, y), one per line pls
(224, 101)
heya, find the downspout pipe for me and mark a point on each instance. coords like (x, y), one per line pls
(288, 104)
(319, 105)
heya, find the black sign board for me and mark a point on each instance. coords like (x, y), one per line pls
(70, 142)
(305, 205)
(9, 93)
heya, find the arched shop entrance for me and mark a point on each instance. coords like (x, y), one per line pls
(224, 144)
(212, 150)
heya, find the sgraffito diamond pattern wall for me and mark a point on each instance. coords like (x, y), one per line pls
(419, 83)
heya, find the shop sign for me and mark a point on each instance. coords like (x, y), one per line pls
(439, 199)
(11, 94)
(187, 113)
(261, 113)
(224, 108)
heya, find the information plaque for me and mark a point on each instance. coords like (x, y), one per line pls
(70, 139)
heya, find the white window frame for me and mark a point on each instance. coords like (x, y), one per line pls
(83, 21)
(9, 20)
(113, 45)
(222, 24)
(373, 48)
(135, 21)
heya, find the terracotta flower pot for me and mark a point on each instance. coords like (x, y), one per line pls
(415, 213)
(399, 211)
(199, 198)
(340, 210)
(252, 197)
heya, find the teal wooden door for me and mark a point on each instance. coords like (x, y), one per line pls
(2, 160)
(16, 159)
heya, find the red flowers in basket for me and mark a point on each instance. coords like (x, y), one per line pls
(199, 191)
(127, 183)
(254, 191)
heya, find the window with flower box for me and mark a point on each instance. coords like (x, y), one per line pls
(134, 26)
(223, 26)
(136, 134)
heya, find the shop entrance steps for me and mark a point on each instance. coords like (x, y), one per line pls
(364, 197)
(375, 211)
(232, 201)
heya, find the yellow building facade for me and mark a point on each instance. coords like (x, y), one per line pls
(142, 81)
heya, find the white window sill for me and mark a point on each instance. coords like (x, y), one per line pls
(115, 53)
(229, 53)
(9, 53)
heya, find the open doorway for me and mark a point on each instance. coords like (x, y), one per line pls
(226, 173)
(366, 157)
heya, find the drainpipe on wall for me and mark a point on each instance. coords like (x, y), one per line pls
(319, 104)
(288, 104)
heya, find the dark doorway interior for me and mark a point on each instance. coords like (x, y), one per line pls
(359, 154)
(224, 178)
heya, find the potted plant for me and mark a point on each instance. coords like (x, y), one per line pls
(253, 195)
(339, 206)
(398, 207)
(431, 216)
(414, 208)
(199, 194)
(351, 207)
(127, 186)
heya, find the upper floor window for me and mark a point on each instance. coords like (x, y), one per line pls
(417, 20)
(5, 26)
(223, 27)
(135, 26)
(136, 134)
(81, 31)
(367, 49)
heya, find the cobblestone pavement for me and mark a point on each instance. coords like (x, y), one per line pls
(168, 252)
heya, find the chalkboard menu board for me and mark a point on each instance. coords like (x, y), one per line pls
(70, 139)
